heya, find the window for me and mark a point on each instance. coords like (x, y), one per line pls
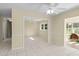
(76, 28)
(72, 28)
(44, 26)
(69, 28)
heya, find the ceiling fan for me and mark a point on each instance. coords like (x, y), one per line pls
(52, 7)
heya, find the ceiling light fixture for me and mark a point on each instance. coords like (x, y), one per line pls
(50, 11)
(51, 8)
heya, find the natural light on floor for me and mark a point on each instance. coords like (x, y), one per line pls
(31, 38)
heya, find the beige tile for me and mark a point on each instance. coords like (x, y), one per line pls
(36, 47)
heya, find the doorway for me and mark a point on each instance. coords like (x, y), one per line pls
(7, 29)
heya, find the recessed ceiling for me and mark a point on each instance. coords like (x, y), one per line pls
(5, 8)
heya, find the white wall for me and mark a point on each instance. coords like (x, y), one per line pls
(56, 31)
(31, 28)
(43, 34)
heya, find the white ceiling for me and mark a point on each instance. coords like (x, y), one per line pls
(5, 9)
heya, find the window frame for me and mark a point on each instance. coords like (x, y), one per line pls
(43, 27)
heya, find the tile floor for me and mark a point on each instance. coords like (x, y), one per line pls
(36, 47)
